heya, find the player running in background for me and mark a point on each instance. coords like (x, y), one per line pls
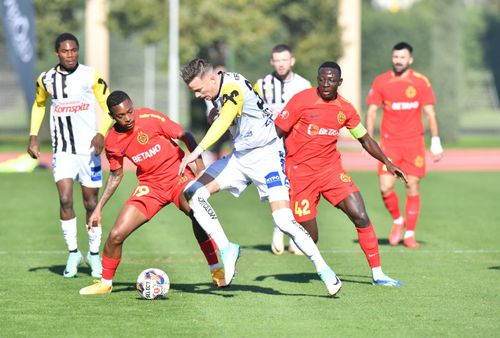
(310, 123)
(403, 93)
(258, 157)
(77, 141)
(145, 137)
(277, 89)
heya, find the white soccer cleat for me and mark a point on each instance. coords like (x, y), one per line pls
(277, 244)
(294, 249)
(229, 257)
(386, 281)
(74, 260)
(332, 282)
(94, 262)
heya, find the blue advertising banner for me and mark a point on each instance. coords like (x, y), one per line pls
(19, 28)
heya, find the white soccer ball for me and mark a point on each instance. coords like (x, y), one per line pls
(153, 283)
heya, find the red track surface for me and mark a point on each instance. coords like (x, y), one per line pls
(356, 160)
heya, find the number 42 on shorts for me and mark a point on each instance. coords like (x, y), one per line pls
(302, 209)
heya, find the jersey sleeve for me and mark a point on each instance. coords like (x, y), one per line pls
(258, 87)
(101, 92)
(289, 115)
(353, 122)
(427, 92)
(375, 93)
(232, 105)
(115, 158)
(38, 109)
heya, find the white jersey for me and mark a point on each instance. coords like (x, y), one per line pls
(73, 120)
(253, 126)
(276, 92)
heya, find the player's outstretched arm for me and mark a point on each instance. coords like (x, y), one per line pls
(188, 139)
(371, 116)
(372, 148)
(114, 179)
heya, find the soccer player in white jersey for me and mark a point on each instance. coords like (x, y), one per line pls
(276, 89)
(77, 141)
(258, 157)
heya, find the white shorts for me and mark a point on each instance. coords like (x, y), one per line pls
(86, 167)
(265, 167)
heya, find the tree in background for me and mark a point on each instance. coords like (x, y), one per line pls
(491, 43)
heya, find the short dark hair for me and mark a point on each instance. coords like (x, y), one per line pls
(281, 48)
(195, 68)
(115, 98)
(331, 64)
(403, 45)
(65, 37)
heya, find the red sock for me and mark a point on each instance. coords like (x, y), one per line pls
(109, 266)
(210, 251)
(412, 210)
(391, 202)
(369, 244)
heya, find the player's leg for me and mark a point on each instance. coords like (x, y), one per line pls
(197, 194)
(129, 219)
(391, 202)
(90, 196)
(354, 207)
(69, 226)
(412, 211)
(207, 244)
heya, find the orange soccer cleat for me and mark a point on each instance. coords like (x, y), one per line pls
(396, 234)
(411, 243)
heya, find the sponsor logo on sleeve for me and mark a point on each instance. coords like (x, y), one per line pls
(273, 179)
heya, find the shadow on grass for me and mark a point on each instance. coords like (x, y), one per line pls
(259, 247)
(59, 269)
(385, 242)
(305, 278)
(494, 268)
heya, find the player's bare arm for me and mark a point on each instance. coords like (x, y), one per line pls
(372, 148)
(114, 179)
(34, 147)
(97, 143)
(188, 139)
(436, 148)
(371, 116)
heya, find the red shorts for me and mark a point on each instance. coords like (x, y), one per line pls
(410, 157)
(150, 197)
(307, 185)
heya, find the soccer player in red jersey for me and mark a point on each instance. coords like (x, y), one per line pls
(145, 137)
(310, 123)
(403, 93)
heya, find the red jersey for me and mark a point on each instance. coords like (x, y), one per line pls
(402, 99)
(148, 145)
(313, 125)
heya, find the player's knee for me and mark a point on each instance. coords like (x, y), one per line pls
(195, 188)
(284, 220)
(361, 219)
(90, 204)
(116, 237)
(66, 201)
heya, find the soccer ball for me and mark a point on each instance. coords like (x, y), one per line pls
(153, 283)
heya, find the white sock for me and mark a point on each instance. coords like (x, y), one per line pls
(206, 217)
(95, 238)
(283, 218)
(409, 234)
(107, 281)
(377, 273)
(69, 232)
(399, 220)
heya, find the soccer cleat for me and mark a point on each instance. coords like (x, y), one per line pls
(229, 257)
(98, 288)
(294, 249)
(396, 234)
(277, 245)
(411, 243)
(332, 282)
(74, 260)
(386, 281)
(218, 277)
(94, 262)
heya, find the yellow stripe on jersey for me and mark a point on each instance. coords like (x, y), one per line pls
(256, 87)
(232, 106)
(101, 92)
(38, 109)
(358, 132)
(422, 76)
(161, 118)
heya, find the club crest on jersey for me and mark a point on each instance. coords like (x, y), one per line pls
(142, 137)
(341, 117)
(230, 97)
(419, 161)
(410, 92)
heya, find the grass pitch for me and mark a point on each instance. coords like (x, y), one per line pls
(451, 284)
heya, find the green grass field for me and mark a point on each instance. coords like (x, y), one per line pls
(451, 284)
